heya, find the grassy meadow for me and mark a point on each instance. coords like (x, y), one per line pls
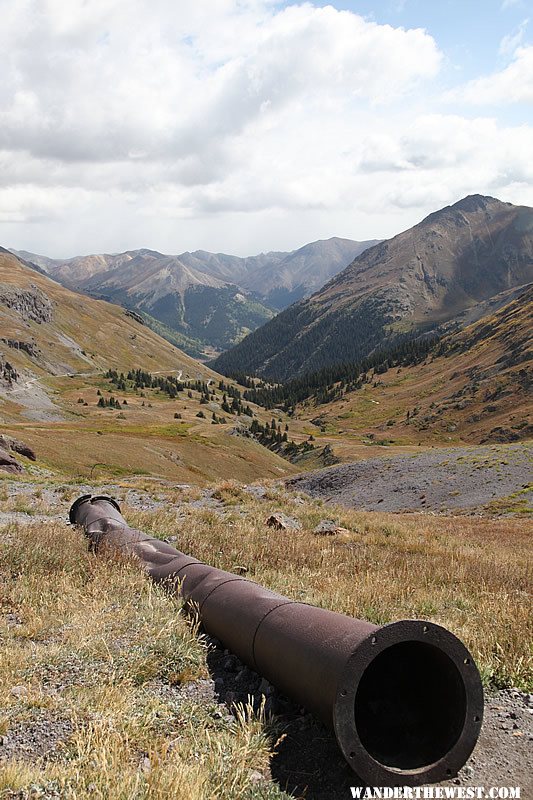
(106, 661)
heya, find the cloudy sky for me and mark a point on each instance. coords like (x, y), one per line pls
(250, 125)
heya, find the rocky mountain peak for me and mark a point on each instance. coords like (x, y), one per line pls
(475, 202)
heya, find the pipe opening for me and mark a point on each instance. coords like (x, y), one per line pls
(410, 706)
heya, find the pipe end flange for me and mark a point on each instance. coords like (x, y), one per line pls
(409, 705)
(88, 498)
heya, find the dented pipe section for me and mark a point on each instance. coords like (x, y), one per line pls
(404, 700)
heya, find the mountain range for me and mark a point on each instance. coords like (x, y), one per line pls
(203, 300)
(440, 275)
(55, 353)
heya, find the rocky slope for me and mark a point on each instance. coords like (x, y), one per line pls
(428, 276)
(48, 330)
(444, 479)
(53, 330)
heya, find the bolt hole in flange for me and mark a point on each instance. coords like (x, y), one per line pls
(410, 706)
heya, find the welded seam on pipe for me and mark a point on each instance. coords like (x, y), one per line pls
(229, 580)
(188, 564)
(287, 603)
(173, 575)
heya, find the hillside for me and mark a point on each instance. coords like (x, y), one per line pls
(211, 300)
(55, 348)
(473, 387)
(53, 330)
(422, 279)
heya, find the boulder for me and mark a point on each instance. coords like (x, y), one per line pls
(8, 463)
(282, 522)
(327, 527)
(8, 443)
(23, 449)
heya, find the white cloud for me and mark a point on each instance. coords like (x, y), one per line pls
(100, 82)
(514, 84)
(228, 124)
(513, 40)
(451, 156)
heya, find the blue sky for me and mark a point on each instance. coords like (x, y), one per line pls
(469, 32)
(472, 35)
(249, 125)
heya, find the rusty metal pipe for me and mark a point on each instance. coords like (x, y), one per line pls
(404, 700)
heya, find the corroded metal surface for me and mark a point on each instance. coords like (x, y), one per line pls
(404, 700)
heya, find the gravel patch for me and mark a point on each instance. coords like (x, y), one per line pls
(40, 737)
(463, 478)
(20, 517)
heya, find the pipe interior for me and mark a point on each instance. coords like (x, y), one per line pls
(410, 706)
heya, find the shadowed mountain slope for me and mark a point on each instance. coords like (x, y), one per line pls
(473, 387)
(430, 276)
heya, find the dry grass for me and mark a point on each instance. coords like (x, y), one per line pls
(470, 574)
(143, 438)
(88, 643)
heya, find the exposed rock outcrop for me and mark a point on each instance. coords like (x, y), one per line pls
(18, 447)
(8, 462)
(27, 347)
(133, 314)
(32, 303)
(282, 522)
(8, 373)
(328, 527)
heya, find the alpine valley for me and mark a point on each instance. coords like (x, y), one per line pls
(203, 302)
